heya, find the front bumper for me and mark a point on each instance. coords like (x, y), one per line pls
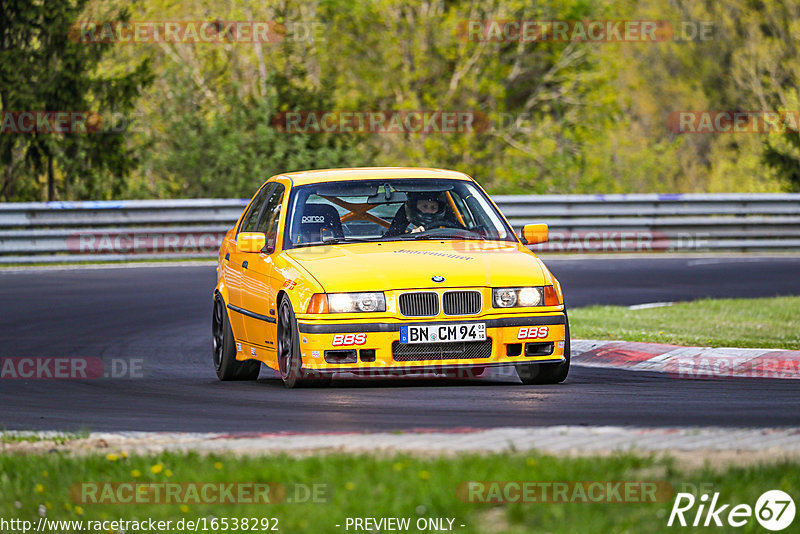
(367, 346)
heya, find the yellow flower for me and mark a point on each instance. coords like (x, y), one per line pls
(48, 505)
(398, 466)
(79, 510)
(168, 473)
(184, 508)
(350, 486)
(39, 488)
(424, 475)
(111, 457)
(530, 462)
(136, 473)
(156, 469)
(45, 474)
(217, 465)
(123, 454)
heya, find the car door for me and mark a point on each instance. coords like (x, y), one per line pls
(237, 262)
(261, 290)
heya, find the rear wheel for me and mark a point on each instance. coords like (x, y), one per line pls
(547, 373)
(224, 348)
(290, 363)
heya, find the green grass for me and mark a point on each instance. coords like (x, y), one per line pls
(369, 486)
(15, 438)
(60, 438)
(764, 322)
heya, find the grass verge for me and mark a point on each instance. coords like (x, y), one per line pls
(411, 487)
(57, 438)
(762, 322)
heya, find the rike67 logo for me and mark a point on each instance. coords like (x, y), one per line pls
(774, 510)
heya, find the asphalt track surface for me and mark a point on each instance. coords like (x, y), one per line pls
(162, 316)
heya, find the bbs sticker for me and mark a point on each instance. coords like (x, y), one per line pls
(349, 339)
(533, 332)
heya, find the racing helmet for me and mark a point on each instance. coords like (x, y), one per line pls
(419, 218)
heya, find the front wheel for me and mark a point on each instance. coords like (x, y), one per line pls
(290, 364)
(224, 348)
(547, 373)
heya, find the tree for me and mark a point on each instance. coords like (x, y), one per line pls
(44, 69)
(784, 157)
(232, 153)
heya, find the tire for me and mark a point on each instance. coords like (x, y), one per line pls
(290, 363)
(224, 348)
(547, 373)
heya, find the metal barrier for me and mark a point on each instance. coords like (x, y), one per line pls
(34, 232)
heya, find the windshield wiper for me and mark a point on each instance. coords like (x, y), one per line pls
(434, 237)
(334, 241)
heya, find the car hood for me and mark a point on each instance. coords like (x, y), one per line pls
(412, 265)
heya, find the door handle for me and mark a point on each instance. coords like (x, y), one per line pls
(244, 264)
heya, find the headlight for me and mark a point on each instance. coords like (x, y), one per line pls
(529, 296)
(356, 302)
(510, 297)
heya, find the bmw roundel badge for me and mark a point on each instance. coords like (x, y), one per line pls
(438, 279)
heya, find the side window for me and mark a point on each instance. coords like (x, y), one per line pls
(468, 219)
(271, 217)
(251, 217)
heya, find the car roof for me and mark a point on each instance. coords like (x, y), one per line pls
(370, 173)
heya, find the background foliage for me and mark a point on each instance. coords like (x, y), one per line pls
(567, 117)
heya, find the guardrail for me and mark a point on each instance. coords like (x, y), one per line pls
(33, 232)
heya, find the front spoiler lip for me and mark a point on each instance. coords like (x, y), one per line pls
(348, 328)
(400, 370)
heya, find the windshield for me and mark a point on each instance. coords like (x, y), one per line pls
(391, 210)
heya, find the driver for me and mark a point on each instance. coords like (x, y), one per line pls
(422, 211)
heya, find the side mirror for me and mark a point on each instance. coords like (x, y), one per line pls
(251, 241)
(535, 233)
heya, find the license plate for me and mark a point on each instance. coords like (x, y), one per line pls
(443, 333)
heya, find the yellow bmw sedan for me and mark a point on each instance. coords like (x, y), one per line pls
(379, 272)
